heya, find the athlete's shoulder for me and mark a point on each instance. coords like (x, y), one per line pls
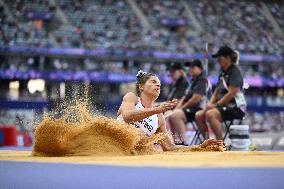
(130, 96)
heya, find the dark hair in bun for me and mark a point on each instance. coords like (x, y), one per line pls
(142, 78)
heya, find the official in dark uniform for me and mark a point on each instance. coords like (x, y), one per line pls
(177, 73)
(228, 101)
(190, 103)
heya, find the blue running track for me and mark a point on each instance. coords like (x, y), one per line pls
(58, 175)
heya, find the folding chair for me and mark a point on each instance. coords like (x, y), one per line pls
(228, 124)
(196, 138)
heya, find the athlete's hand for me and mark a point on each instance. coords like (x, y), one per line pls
(165, 106)
(209, 142)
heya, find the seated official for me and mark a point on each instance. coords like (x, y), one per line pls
(228, 101)
(190, 103)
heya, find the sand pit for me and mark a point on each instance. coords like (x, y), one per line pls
(168, 159)
(78, 137)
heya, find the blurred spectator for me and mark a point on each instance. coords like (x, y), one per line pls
(235, 23)
(114, 25)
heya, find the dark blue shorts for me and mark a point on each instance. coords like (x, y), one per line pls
(190, 113)
(229, 113)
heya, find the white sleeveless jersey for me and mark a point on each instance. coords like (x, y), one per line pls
(149, 124)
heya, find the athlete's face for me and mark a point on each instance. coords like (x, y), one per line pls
(152, 86)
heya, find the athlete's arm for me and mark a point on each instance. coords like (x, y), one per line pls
(166, 144)
(129, 114)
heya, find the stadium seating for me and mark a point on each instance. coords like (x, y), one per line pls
(114, 24)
